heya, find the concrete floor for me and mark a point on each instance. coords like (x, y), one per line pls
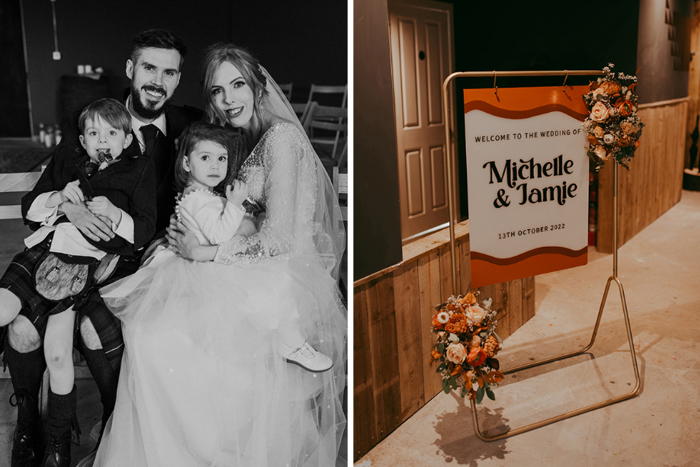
(660, 272)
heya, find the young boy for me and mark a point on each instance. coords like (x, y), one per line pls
(115, 185)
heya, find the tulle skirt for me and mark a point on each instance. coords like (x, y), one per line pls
(202, 382)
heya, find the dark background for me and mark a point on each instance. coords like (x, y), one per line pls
(303, 42)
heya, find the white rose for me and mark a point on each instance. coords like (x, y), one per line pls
(453, 337)
(600, 112)
(601, 152)
(456, 353)
(475, 314)
(608, 138)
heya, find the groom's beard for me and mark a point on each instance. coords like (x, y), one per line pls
(149, 111)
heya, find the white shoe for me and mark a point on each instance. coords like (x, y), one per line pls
(306, 357)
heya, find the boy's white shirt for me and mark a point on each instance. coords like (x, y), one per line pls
(67, 238)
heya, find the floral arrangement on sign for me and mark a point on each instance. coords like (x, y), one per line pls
(466, 347)
(613, 126)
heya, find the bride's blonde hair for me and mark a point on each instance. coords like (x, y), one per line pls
(246, 63)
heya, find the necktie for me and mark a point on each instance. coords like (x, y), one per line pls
(90, 167)
(150, 133)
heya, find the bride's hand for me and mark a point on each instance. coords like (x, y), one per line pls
(186, 244)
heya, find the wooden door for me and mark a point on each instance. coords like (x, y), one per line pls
(421, 45)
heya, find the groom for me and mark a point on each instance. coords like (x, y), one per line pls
(154, 68)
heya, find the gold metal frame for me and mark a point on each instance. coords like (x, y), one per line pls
(637, 388)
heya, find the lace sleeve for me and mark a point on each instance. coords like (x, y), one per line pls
(281, 156)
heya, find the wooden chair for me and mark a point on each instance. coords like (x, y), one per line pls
(343, 158)
(332, 121)
(340, 184)
(329, 95)
(303, 112)
(287, 90)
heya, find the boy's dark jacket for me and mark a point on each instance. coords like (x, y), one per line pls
(129, 183)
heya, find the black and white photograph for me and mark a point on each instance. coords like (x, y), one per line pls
(174, 254)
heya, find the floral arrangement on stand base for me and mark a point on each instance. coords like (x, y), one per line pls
(613, 126)
(466, 347)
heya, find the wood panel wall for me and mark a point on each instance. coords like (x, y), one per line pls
(392, 333)
(654, 181)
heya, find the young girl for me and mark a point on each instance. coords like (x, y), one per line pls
(210, 201)
(201, 170)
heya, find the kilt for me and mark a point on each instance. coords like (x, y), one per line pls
(18, 280)
(107, 325)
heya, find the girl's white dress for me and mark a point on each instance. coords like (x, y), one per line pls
(202, 382)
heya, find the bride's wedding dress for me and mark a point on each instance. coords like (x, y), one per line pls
(202, 382)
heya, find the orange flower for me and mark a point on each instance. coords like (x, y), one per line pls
(491, 346)
(436, 323)
(468, 299)
(457, 324)
(625, 107)
(494, 377)
(610, 87)
(458, 369)
(636, 144)
(628, 128)
(435, 354)
(476, 357)
(625, 140)
(592, 140)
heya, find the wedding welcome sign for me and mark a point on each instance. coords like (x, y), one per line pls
(527, 173)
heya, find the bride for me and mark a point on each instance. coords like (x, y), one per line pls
(206, 378)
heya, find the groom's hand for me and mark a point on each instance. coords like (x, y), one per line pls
(182, 240)
(89, 224)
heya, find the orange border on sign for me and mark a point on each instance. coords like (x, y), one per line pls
(486, 273)
(528, 100)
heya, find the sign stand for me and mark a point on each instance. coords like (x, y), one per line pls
(614, 277)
